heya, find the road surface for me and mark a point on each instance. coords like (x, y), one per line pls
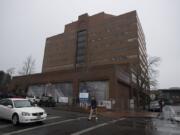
(71, 123)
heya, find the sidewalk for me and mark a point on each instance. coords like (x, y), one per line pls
(105, 113)
(71, 108)
(129, 114)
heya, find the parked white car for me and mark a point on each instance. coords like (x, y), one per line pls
(33, 100)
(171, 112)
(20, 110)
(154, 106)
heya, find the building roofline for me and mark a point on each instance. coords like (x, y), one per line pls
(55, 36)
(133, 11)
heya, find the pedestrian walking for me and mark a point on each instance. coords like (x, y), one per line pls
(93, 109)
(161, 104)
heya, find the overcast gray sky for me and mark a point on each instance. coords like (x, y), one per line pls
(25, 25)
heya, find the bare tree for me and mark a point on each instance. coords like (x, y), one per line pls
(145, 79)
(11, 71)
(28, 66)
(153, 72)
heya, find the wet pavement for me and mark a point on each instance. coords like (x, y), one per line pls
(166, 127)
(73, 123)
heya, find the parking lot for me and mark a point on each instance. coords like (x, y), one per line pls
(73, 123)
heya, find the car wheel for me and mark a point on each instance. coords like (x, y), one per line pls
(15, 120)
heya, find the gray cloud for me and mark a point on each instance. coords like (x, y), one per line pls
(25, 25)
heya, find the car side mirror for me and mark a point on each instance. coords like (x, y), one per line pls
(9, 106)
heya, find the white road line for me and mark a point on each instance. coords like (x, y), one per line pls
(48, 118)
(42, 126)
(5, 126)
(55, 117)
(97, 126)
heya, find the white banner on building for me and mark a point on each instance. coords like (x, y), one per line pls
(63, 99)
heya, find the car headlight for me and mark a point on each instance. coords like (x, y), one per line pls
(25, 114)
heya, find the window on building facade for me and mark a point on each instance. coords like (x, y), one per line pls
(81, 45)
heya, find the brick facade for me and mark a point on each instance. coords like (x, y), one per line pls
(94, 48)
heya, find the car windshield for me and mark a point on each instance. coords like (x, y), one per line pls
(22, 103)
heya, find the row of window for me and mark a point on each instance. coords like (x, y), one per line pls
(81, 44)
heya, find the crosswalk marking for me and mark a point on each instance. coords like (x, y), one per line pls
(48, 118)
(97, 126)
(42, 126)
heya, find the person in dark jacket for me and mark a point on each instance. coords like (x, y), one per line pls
(93, 108)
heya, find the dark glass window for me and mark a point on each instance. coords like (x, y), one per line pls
(81, 45)
(2, 101)
(82, 33)
(6, 102)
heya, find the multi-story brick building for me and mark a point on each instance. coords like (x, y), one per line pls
(97, 54)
